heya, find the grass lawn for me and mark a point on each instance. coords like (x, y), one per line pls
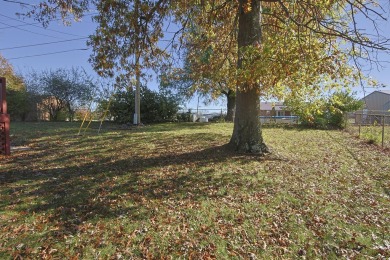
(372, 134)
(174, 191)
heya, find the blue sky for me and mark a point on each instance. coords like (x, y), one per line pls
(14, 33)
(61, 46)
(66, 46)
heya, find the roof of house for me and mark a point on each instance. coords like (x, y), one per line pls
(386, 92)
(279, 106)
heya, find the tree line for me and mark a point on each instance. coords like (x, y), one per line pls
(57, 93)
(67, 94)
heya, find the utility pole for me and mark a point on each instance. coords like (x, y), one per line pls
(137, 109)
(137, 114)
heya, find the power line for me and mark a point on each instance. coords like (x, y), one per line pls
(20, 25)
(40, 44)
(28, 30)
(32, 24)
(25, 23)
(40, 27)
(17, 2)
(45, 54)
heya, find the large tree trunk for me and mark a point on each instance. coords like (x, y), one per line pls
(231, 105)
(247, 135)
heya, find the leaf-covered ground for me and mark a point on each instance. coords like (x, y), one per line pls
(372, 134)
(175, 191)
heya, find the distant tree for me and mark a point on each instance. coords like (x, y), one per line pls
(62, 90)
(17, 96)
(155, 106)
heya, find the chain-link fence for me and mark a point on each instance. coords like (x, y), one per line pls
(372, 126)
(201, 115)
(291, 120)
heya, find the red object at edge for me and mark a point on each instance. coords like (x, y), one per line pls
(5, 148)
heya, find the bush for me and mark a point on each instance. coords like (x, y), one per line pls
(326, 112)
(183, 117)
(372, 134)
(338, 105)
(155, 106)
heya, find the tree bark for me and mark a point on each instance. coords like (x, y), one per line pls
(231, 105)
(247, 136)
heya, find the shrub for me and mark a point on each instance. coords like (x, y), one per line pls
(372, 134)
(155, 106)
(183, 117)
(325, 112)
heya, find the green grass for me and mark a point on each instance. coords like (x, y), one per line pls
(372, 134)
(175, 191)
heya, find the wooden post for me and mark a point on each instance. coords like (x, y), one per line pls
(3, 101)
(383, 131)
(4, 120)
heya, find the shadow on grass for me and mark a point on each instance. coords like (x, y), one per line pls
(151, 128)
(293, 127)
(107, 189)
(353, 155)
(132, 146)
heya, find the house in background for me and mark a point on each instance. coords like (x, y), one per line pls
(266, 109)
(376, 109)
(46, 108)
(378, 101)
(276, 112)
